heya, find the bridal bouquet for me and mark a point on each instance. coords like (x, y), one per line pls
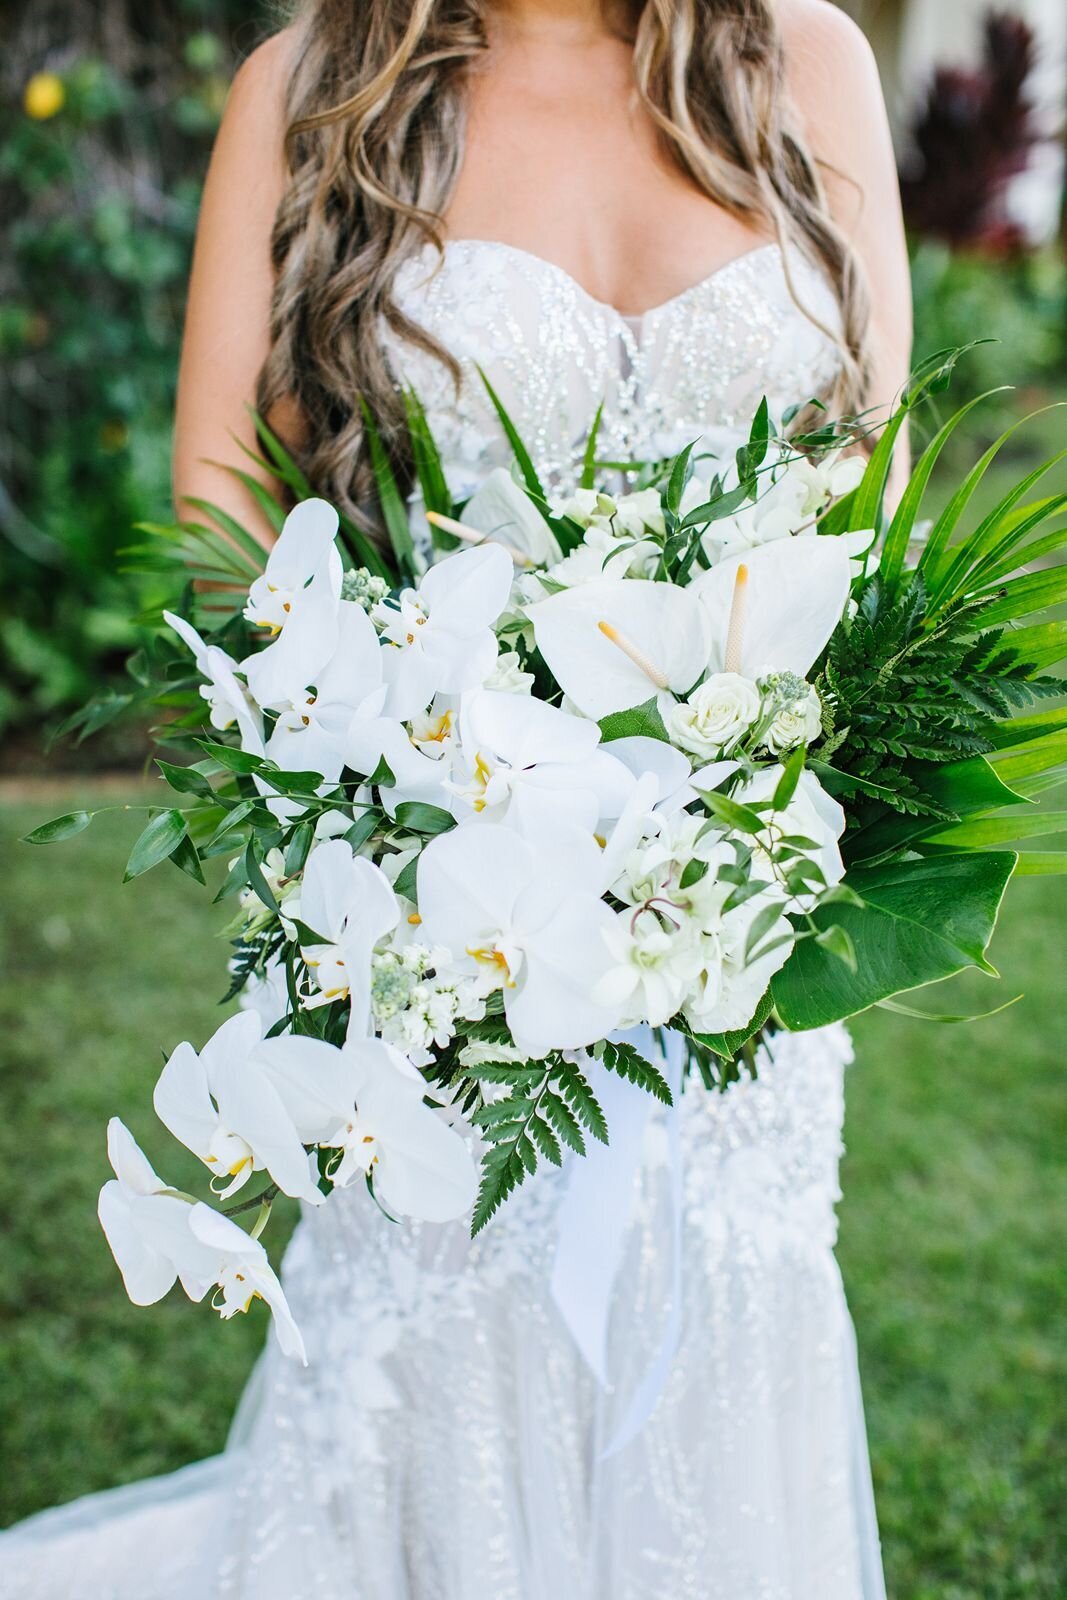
(707, 754)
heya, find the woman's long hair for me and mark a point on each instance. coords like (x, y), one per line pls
(375, 141)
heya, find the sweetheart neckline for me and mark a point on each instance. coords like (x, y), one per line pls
(745, 258)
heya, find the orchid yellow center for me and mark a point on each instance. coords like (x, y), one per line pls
(655, 675)
(483, 773)
(496, 960)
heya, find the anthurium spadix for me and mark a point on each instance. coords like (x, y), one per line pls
(419, 1165)
(528, 920)
(350, 904)
(296, 603)
(439, 636)
(500, 510)
(159, 1236)
(224, 1104)
(522, 755)
(228, 698)
(623, 641)
(774, 609)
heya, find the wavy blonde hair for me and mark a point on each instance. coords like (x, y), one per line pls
(375, 141)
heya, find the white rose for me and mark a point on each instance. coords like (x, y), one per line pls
(716, 714)
(508, 676)
(797, 723)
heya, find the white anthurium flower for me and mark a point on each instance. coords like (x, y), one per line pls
(775, 610)
(811, 814)
(420, 1166)
(224, 1106)
(716, 716)
(618, 643)
(311, 733)
(296, 601)
(502, 510)
(668, 766)
(439, 637)
(242, 1273)
(350, 904)
(827, 480)
(228, 698)
(158, 1236)
(525, 755)
(530, 921)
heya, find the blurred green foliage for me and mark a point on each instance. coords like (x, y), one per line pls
(103, 145)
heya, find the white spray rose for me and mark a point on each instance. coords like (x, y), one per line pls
(715, 715)
(798, 718)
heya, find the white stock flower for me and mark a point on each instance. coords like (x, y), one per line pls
(827, 480)
(507, 675)
(441, 633)
(715, 716)
(158, 1236)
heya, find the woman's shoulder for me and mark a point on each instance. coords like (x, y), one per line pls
(831, 73)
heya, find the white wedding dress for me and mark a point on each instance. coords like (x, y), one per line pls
(447, 1440)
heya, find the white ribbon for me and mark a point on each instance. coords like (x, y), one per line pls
(594, 1219)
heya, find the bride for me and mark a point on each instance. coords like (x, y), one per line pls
(672, 207)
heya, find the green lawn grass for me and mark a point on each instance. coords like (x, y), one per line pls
(951, 1226)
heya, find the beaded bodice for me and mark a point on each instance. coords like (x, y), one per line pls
(696, 366)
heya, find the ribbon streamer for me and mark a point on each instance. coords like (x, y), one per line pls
(594, 1219)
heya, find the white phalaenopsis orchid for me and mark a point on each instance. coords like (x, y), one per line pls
(225, 1104)
(420, 1166)
(158, 1235)
(621, 642)
(530, 920)
(439, 637)
(296, 602)
(312, 732)
(774, 611)
(228, 698)
(350, 904)
(522, 755)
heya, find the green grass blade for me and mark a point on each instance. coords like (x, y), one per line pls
(394, 509)
(522, 455)
(588, 478)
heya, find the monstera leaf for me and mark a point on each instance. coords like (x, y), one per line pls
(919, 921)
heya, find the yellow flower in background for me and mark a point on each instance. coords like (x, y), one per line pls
(44, 96)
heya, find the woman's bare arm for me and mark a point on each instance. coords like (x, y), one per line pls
(228, 317)
(835, 86)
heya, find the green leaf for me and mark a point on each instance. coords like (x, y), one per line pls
(186, 780)
(692, 873)
(298, 848)
(727, 1045)
(588, 477)
(159, 839)
(394, 509)
(981, 833)
(743, 819)
(407, 880)
(931, 1016)
(362, 828)
(577, 1091)
(186, 857)
(792, 767)
(418, 817)
(1040, 863)
(838, 943)
(256, 880)
(59, 828)
(246, 543)
(232, 759)
(428, 466)
(638, 722)
(625, 1059)
(563, 1121)
(921, 921)
(1036, 591)
(522, 455)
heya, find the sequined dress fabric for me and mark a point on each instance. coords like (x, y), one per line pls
(447, 1440)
